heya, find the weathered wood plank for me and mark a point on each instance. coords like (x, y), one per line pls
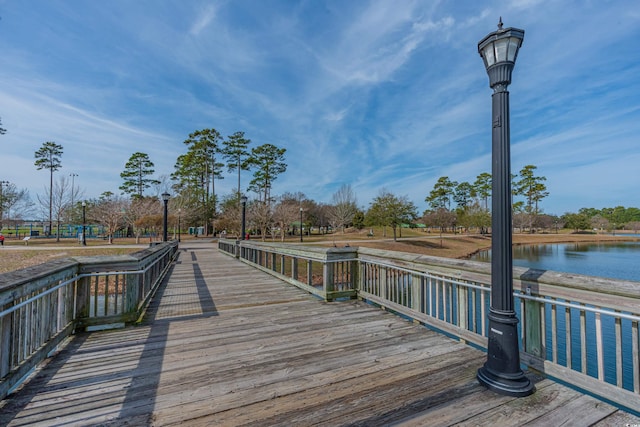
(224, 344)
(581, 411)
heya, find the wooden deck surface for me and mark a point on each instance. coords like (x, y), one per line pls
(226, 345)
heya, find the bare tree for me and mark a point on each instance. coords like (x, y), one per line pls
(441, 218)
(286, 212)
(14, 203)
(260, 216)
(58, 199)
(230, 219)
(109, 211)
(344, 207)
(139, 213)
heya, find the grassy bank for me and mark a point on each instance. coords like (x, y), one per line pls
(17, 255)
(458, 245)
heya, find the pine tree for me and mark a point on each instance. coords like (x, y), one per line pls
(136, 173)
(48, 157)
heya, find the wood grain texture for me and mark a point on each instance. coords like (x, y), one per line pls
(225, 344)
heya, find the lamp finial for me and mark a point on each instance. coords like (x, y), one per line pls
(500, 24)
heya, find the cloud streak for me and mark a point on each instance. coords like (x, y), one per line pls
(373, 94)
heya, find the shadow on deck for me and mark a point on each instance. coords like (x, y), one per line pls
(224, 344)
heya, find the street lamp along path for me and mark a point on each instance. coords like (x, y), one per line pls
(243, 200)
(165, 199)
(502, 372)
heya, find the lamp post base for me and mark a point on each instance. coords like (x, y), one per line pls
(516, 385)
(501, 372)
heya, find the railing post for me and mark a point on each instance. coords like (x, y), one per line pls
(237, 249)
(354, 270)
(532, 327)
(416, 292)
(327, 280)
(83, 303)
(135, 284)
(5, 342)
(382, 271)
(344, 275)
(463, 307)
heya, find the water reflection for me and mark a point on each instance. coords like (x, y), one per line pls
(618, 260)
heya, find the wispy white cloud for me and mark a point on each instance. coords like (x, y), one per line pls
(203, 19)
(372, 93)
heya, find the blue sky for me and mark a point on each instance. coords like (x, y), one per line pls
(374, 94)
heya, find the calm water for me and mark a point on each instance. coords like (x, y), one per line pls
(613, 260)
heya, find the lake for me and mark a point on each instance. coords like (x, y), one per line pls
(619, 260)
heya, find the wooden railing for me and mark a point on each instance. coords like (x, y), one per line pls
(579, 329)
(41, 306)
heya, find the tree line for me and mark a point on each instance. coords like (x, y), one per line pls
(463, 204)
(192, 185)
(138, 208)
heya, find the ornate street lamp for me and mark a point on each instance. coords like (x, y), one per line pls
(243, 200)
(502, 373)
(84, 223)
(165, 198)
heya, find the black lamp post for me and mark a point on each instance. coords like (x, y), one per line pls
(300, 224)
(165, 198)
(84, 223)
(179, 212)
(502, 373)
(243, 200)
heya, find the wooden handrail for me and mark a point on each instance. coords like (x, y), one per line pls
(41, 306)
(580, 329)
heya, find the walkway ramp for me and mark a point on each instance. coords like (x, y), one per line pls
(225, 345)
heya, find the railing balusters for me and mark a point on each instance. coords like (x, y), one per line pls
(567, 321)
(618, 338)
(599, 347)
(583, 340)
(635, 356)
(554, 332)
(453, 296)
(40, 309)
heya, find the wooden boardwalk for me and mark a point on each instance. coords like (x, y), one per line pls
(226, 345)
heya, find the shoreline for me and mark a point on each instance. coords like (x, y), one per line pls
(463, 246)
(456, 246)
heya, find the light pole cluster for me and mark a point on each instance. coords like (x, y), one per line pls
(502, 373)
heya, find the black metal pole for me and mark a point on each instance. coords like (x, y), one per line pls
(300, 224)
(244, 216)
(84, 224)
(178, 225)
(164, 221)
(502, 373)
